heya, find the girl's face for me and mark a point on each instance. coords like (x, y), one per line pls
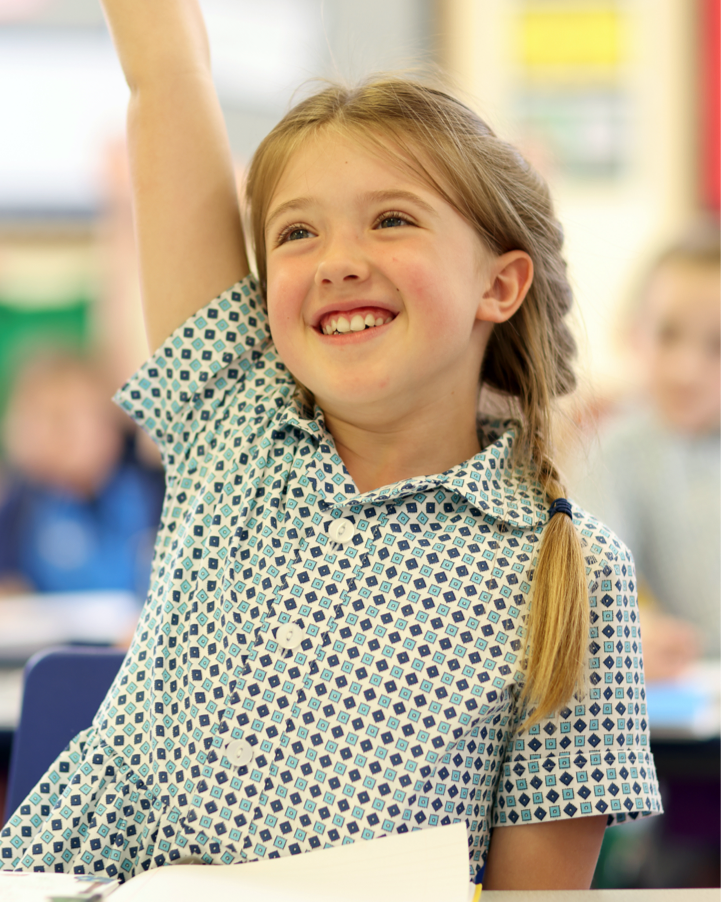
(375, 283)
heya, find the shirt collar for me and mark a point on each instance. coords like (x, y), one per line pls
(488, 481)
(296, 415)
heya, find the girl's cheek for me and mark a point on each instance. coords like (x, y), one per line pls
(284, 290)
(287, 286)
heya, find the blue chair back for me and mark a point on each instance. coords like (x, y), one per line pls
(62, 690)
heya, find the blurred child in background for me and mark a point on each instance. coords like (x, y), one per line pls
(79, 510)
(655, 477)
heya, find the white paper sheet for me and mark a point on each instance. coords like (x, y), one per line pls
(430, 865)
(26, 886)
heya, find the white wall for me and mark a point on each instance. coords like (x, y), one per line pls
(63, 98)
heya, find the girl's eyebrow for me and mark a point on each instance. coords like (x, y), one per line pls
(294, 204)
(383, 196)
(399, 194)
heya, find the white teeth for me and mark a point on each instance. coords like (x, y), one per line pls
(357, 324)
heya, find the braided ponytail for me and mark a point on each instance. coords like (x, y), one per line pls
(558, 625)
(528, 358)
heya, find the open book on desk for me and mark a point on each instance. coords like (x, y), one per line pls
(430, 865)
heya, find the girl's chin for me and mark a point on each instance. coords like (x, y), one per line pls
(343, 402)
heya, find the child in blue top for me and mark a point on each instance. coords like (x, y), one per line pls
(338, 641)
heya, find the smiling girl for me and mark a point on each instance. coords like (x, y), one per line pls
(370, 611)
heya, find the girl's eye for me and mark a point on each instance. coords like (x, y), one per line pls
(392, 221)
(293, 233)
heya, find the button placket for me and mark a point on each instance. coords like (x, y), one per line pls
(290, 636)
(341, 531)
(239, 752)
(287, 649)
(302, 617)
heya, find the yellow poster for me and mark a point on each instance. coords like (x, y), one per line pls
(571, 37)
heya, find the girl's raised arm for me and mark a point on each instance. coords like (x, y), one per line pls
(188, 226)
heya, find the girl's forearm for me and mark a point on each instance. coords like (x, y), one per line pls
(157, 41)
(551, 855)
(187, 222)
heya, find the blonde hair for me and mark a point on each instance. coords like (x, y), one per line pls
(698, 245)
(528, 358)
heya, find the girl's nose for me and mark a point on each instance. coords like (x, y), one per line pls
(342, 262)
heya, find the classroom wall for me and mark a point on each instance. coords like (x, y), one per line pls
(640, 56)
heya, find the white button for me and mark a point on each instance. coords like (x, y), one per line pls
(341, 531)
(289, 636)
(239, 752)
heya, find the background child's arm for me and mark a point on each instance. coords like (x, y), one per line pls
(188, 227)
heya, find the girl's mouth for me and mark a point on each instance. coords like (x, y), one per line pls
(356, 320)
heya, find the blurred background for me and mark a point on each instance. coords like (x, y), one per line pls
(616, 102)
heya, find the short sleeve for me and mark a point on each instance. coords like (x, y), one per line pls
(592, 757)
(189, 377)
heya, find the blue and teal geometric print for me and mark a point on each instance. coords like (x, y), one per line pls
(296, 681)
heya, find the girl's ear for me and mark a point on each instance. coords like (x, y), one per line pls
(509, 278)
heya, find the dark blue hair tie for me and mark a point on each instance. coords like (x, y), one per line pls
(561, 506)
